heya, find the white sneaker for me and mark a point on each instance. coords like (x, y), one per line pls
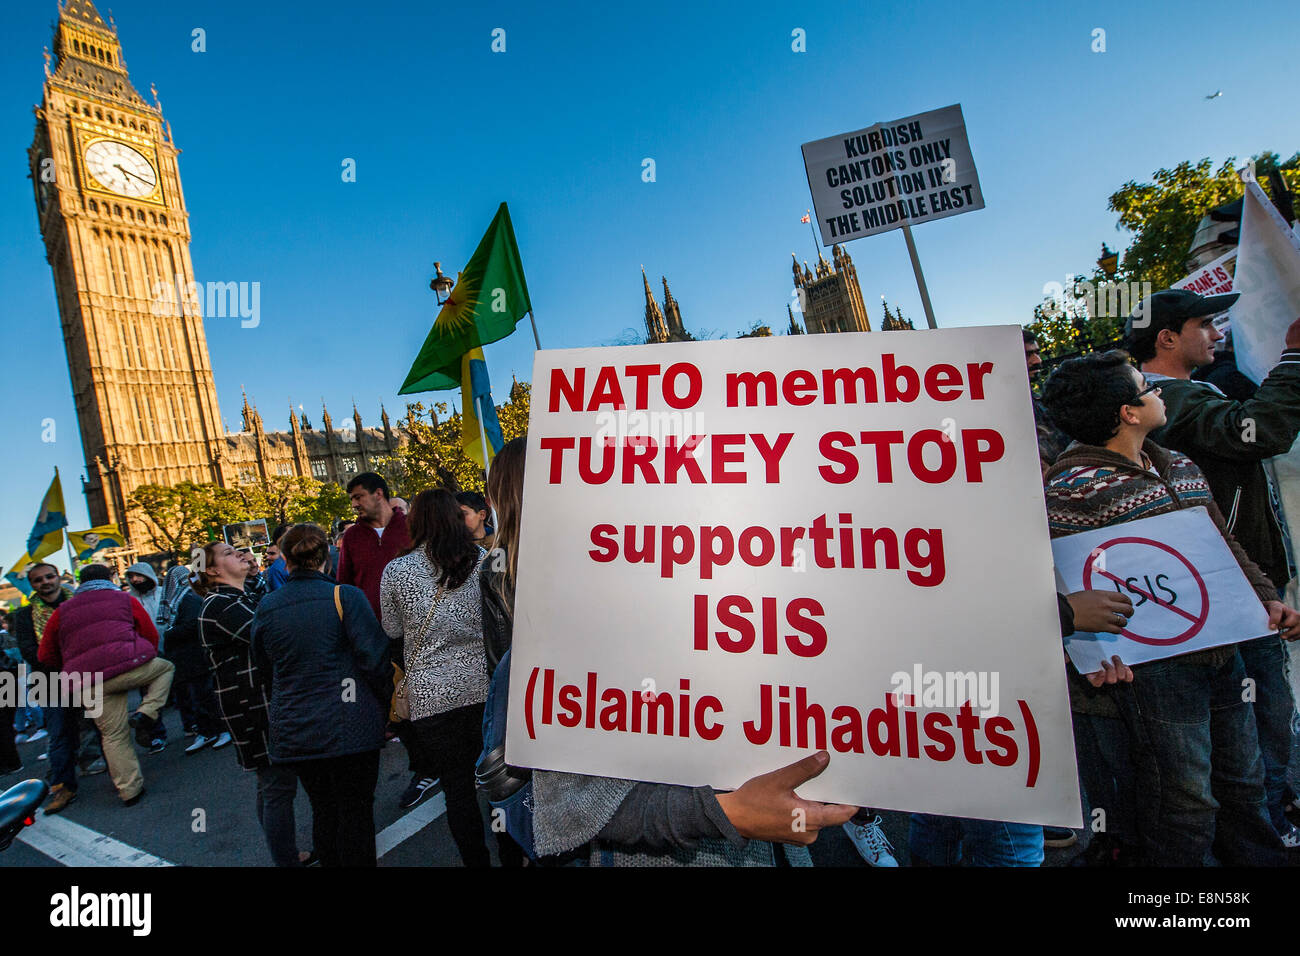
(37, 735)
(871, 843)
(199, 743)
(223, 739)
(1291, 836)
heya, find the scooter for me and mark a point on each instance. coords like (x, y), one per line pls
(18, 808)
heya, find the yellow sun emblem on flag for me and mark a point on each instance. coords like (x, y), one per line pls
(458, 312)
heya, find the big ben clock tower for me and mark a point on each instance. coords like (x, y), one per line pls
(112, 215)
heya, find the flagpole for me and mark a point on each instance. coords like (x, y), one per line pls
(533, 322)
(816, 246)
(482, 436)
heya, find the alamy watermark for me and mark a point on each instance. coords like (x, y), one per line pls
(209, 300)
(26, 688)
(1099, 300)
(946, 689)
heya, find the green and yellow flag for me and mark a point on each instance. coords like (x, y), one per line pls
(85, 544)
(489, 298)
(47, 532)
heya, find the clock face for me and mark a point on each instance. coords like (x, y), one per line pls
(120, 168)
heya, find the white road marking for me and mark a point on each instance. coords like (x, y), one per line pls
(71, 844)
(409, 825)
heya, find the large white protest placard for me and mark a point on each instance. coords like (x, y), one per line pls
(737, 552)
(911, 170)
(1268, 278)
(1188, 591)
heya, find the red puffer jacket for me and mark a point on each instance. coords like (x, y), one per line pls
(104, 632)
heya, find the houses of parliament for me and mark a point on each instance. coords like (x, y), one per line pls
(830, 299)
(113, 217)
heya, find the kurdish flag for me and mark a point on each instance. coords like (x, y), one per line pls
(85, 544)
(47, 532)
(17, 575)
(489, 298)
(475, 387)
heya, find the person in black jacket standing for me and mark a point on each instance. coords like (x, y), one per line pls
(1170, 335)
(192, 683)
(330, 673)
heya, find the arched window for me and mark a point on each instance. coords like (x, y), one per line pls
(94, 206)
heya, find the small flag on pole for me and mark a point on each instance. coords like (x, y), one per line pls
(85, 544)
(47, 532)
(17, 575)
(805, 218)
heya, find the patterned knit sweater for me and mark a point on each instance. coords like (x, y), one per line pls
(1093, 487)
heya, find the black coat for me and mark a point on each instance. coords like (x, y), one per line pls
(181, 644)
(498, 615)
(330, 681)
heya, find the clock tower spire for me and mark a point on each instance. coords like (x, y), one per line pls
(116, 232)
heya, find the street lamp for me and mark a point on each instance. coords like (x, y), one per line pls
(441, 284)
(1109, 261)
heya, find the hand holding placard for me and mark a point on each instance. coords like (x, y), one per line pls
(767, 808)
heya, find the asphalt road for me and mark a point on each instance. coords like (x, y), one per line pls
(199, 810)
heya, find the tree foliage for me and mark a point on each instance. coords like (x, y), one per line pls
(433, 456)
(1164, 213)
(183, 516)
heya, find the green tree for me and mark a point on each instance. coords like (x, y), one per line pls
(322, 507)
(433, 456)
(176, 517)
(1164, 213)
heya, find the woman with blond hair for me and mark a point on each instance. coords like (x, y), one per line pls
(225, 627)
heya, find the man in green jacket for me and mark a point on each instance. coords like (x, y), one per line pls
(1170, 335)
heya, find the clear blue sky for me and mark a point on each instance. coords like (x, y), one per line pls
(442, 129)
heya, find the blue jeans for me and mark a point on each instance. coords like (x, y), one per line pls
(1200, 777)
(64, 725)
(1106, 772)
(946, 841)
(1263, 659)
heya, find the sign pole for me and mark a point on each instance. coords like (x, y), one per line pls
(920, 276)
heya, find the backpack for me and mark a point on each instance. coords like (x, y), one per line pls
(509, 790)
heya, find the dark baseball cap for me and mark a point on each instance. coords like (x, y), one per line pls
(1169, 310)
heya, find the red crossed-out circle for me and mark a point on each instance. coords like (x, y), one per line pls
(1198, 621)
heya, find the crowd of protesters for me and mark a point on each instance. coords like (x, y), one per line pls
(392, 630)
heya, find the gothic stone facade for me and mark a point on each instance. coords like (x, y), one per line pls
(832, 298)
(116, 230)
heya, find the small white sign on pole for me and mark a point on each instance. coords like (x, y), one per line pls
(909, 170)
(1188, 591)
(1213, 278)
(736, 553)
